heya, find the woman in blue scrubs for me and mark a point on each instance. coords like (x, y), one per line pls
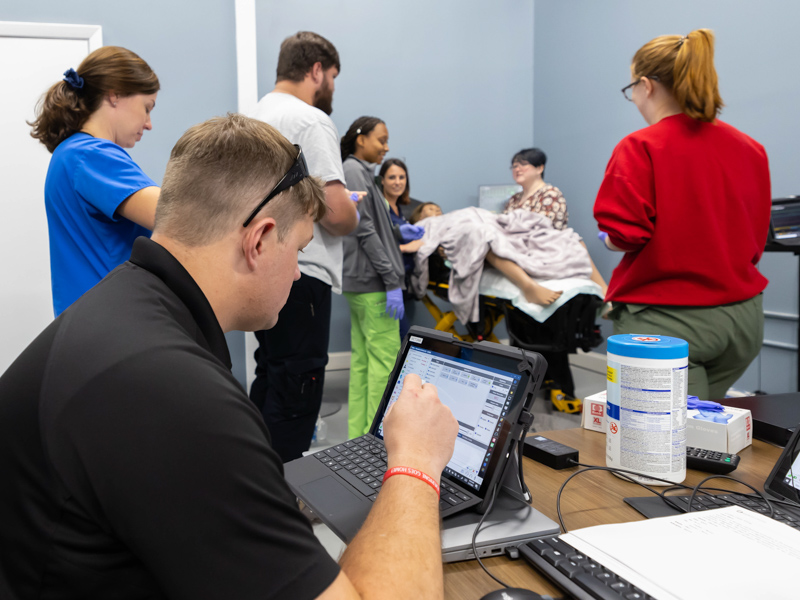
(98, 200)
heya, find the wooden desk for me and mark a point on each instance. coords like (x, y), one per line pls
(590, 499)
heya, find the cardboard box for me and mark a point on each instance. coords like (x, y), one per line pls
(593, 416)
(730, 437)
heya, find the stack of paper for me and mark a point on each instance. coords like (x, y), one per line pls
(729, 553)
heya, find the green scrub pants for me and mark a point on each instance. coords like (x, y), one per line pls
(723, 340)
(375, 341)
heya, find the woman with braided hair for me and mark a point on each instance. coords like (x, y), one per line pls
(98, 200)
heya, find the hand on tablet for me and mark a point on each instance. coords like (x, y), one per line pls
(419, 431)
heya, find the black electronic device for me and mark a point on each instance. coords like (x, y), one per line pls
(489, 388)
(784, 226)
(775, 416)
(783, 484)
(710, 461)
(549, 453)
(578, 575)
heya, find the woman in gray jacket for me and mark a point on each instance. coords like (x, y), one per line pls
(372, 276)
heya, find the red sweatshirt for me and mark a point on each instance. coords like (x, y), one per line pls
(690, 202)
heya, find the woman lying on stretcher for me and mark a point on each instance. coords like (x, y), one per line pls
(510, 268)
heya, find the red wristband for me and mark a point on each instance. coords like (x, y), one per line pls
(413, 473)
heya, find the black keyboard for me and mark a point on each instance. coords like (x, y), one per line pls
(361, 462)
(576, 574)
(706, 502)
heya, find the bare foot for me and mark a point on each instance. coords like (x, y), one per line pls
(538, 294)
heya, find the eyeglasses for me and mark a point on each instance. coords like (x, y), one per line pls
(519, 165)
(296, 173)
(627, 91)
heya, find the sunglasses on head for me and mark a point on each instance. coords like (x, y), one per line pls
(296, 173)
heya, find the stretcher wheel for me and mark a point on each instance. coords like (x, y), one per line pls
(564, 402)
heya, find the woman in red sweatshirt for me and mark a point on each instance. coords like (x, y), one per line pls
(687, 199)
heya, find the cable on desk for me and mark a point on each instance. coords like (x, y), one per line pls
(491, 505)
(475, 537)
(700, 485)
(624, 473)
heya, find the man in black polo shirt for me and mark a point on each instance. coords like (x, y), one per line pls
(132, 463)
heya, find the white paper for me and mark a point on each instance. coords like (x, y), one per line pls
(730, 553)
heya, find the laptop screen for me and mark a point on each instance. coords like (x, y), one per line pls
(786, 218)
(480, 396)
(784, 481)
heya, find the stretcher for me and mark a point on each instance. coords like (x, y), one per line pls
(566, 326)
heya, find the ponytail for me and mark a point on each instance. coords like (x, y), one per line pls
(696, 88)
(685, 66)
(68, 104)
(62, 111)
(361, 126)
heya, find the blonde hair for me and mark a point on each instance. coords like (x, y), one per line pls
(685, 66)
(220, 170)
(63, 109)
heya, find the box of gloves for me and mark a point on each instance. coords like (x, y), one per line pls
(594, 412)
(719, 428)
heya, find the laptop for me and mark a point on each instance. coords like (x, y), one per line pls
(509, 524)
(784, 225)
(782, 484)
(486, 385)
(495, 197)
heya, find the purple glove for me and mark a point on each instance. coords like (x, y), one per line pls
(394, 303)
(409, 232)
(354, 198)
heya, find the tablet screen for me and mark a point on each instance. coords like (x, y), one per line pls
(483, 398)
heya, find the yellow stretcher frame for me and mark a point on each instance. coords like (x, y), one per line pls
(446, 322)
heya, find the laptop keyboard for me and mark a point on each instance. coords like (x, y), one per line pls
(361, 462)
(706, 502)
(579, 576)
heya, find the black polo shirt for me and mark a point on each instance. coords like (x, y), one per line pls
(133, 464)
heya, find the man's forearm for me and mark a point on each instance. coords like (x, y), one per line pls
(398, 553)
(342, 215)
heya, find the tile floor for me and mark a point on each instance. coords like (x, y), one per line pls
(334, 414)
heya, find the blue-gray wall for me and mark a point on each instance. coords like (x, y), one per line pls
(583, 50)
(191, 45)
(453, 80)
(460, 90)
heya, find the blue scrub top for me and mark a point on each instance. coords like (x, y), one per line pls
(88, 178)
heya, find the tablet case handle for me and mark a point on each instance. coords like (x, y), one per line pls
(511, 480)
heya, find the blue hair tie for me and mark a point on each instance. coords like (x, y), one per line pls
(73, 79)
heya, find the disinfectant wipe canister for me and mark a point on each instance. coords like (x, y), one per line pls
(646, 406)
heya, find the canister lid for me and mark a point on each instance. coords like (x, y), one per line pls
(640, 345)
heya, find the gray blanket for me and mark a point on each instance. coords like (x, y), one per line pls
(522, 236)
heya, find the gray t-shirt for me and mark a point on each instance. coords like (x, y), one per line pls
(316, 134)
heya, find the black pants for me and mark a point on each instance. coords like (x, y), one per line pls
(290, 367)
(558, 370)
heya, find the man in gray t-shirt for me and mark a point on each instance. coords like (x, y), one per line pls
(292, 355)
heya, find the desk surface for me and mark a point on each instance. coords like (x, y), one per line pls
(590, 499)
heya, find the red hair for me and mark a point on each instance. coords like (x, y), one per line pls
(685, 66)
